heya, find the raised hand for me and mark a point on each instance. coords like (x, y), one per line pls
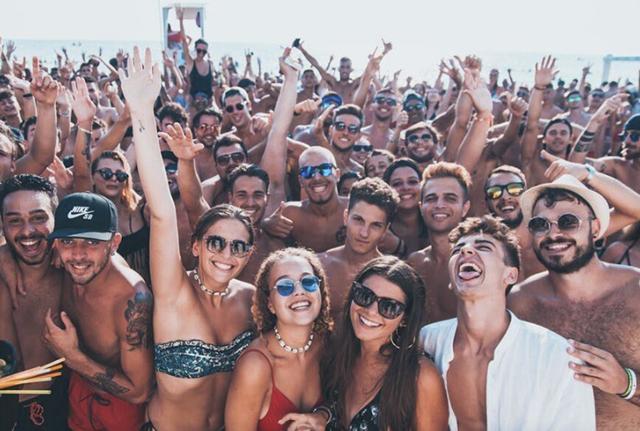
(44, 89)
(477, 89)
(277, 224)
(307, 106)
(63, 176)
(610, 106)
(319, 124)
(287, 67)
(81, 103)
(518, 106)
(261, 123)
(586, 70)
(387, 47)
(10, 48)
(545, 71)
(181, 142)
(142, 85)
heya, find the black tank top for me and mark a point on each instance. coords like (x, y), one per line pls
(200, 83)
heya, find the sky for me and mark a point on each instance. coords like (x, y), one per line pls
(418, 29)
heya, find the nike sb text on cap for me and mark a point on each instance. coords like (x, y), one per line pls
(85, 215)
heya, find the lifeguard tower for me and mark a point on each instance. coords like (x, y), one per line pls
(608, 59)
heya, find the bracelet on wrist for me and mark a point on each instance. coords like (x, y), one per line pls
(27, 95)
(324, 409)
(592, 172)
(539, 88)
(632, 385)
(83, 130)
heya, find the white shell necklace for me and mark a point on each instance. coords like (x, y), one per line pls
(290, 349)
(196, 277)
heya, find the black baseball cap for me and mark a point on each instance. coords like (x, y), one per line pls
(411, 95)
(85, 215)
(632, 123)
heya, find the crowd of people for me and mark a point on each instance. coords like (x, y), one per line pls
(210, 248)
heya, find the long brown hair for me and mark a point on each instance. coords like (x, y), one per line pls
(399, 383)
(129, 198)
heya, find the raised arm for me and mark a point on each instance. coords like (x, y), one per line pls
(476, 138)
(45, 92)
(581, 148)
(372, 68)
(274, 159)
(545, 72)
(114, 136)
(85, 110)
(517, 108)
(331, 80)
(185, 43)
(141, 88)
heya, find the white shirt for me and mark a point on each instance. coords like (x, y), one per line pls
(530, 386)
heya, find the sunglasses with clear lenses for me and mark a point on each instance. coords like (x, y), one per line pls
(217, 244)
(387, 100)
(387, 307)
(324, 169)
(415, 137)
(238, 107)
(364, 148)
(225, 159)
(566, 223)
(107, 174)
(416, 107)
(286, 286)
(352, 128)
(495, 192)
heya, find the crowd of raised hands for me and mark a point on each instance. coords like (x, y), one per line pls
(304, 249)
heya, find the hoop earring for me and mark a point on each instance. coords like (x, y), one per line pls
(396, 345)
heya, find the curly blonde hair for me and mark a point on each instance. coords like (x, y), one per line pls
(263, 318)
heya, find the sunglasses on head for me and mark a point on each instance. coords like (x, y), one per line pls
(416, 107)
(352, 128)
(286, 286)
(238, 107)
(225, 159)
(387, 307)
(494, 192)
(387, 100)
(107, 174)
(324, 169)
(364, 148)
(201, 51)
(415, 137)
(566, 223)
(217, 244)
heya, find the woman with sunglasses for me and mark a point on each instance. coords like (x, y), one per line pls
(375, 376)
(278, 376)
(202, 319)
(408, 232)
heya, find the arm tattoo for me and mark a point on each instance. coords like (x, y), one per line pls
(138, 317)
(582, 146)
(141, 127)
(87, 147)
(104, 381)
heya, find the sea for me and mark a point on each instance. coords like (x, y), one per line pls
(420, 67)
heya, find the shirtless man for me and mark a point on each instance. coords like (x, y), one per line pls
(105, 334)
(206, 128)
(308, 82)
(28, 205)
(106, 113)
(486, 355)
(345, 86)
(236, 108)
(372, 206)
(344, 132)
(576, 112)
(229, 152)
(579, 293)
(444, 203)
(549, 108)
(379, 132)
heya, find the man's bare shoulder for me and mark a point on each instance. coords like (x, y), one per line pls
(331, 256)
(420, 258)
(344, 200)
(242, 287)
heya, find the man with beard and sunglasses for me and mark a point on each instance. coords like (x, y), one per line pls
(344, 132)
(594, 304)
(28, 205)
(206, 128)
(487, 356)
(379, 132)
(625, 168)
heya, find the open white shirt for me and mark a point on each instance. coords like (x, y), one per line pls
(530, 386)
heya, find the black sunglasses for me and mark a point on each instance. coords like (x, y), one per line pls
(362, 148)
(514, 189)
(217, 244)
(388, 100)
(171, 168)
(424, 137)
(364, 297)
(416, 107)
(238, 107)
(340, 126)
(225, 159)
(286, 286)
(325, 170)
(107, 174)
(634, 136)
(201, 51)
(566, 222)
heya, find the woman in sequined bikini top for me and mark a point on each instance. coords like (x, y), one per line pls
(278, 377)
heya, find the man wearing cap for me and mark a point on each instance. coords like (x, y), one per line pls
(625, 168)
(414, 105)
(594, 304)
(105, 334)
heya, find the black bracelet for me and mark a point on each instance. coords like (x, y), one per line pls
(27, 95)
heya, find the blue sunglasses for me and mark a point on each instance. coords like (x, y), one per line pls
(286, 286)
(325, 169)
